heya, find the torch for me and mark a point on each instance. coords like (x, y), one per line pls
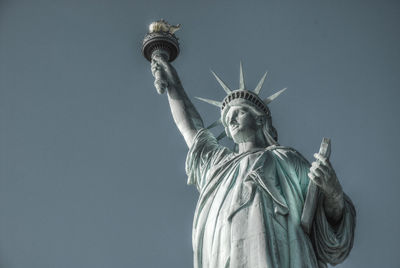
(161, 41)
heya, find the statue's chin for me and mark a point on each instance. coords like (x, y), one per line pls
(249, 137)
(241, 135)
(239, 138)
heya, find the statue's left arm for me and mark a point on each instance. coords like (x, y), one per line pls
(322, 174)
(335, 218)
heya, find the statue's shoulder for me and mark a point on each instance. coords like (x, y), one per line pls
(286, 153)
(281, 149)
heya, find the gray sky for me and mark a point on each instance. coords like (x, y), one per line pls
(91, 164)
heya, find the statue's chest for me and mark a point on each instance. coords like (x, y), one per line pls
(238, 188)
(245, 166)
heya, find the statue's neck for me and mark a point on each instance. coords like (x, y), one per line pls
(252, 145)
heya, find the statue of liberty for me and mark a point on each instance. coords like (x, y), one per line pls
(251, 199)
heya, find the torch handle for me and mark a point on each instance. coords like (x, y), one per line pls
(160, 82)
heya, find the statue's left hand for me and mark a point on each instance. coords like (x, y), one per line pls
(323, 175)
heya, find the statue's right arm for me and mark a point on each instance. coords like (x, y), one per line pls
(185, 115)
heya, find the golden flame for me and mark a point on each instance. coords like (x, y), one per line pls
(163, 26)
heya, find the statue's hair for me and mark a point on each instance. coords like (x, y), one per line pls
(269, 132)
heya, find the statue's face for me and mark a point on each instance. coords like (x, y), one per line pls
(241, 123)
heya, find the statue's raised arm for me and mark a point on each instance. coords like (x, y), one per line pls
(185, 115)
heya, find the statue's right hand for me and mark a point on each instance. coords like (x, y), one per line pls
(164, 74)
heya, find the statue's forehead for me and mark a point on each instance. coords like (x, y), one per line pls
(235, 105)
(232, 108)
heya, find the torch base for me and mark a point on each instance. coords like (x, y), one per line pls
(160, 41)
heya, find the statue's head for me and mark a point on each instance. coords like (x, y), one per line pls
(245, 116)
(247, 107)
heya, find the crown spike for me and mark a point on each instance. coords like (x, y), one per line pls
(260, 84)
(225, 87)
(212, 102)
(274, 96)
(241, 81)
(221, 136)
(216, 123)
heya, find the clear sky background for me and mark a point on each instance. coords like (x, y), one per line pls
(91, 164)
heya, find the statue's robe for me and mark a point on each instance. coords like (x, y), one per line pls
(249, 210)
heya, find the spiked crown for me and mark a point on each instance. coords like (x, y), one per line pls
(241, 96)
(246, 95)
